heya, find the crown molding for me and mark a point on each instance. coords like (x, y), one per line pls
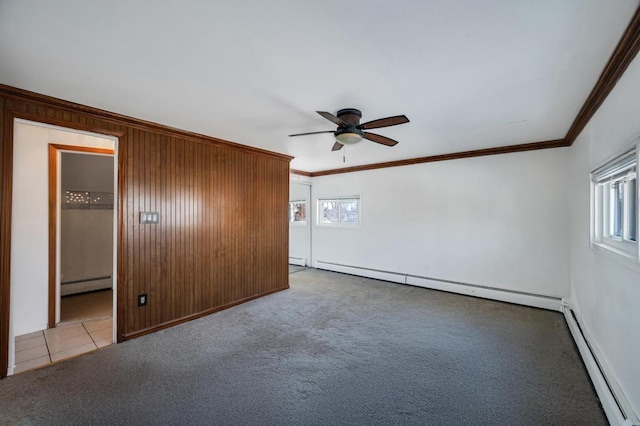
(300, 173)
(623, 54)
(557, 143)
(49, 101)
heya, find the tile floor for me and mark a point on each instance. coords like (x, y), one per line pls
(86, 326)
(94, 305)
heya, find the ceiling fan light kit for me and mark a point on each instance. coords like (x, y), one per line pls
(350, 131)
(349, 136)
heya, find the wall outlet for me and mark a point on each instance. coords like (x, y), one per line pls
(142, 299)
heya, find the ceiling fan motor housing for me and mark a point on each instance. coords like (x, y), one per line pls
(350, 116)
(350, 133)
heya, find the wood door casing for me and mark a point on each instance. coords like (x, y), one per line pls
(54, 150)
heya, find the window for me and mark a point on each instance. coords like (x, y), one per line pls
(615, 207)
(339, 211)
(298, 211)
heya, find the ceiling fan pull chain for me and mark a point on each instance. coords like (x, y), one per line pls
(344, 160)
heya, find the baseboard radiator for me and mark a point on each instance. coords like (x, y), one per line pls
(86, 284)
(300, 261)
(614, 402)
(485, 292)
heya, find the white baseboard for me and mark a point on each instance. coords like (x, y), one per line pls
(520, 298)
(614, 402)
(83, 287)
(361, 272)
(300, 261)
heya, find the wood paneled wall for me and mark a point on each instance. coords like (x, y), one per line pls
(223, 231)
(222, 237)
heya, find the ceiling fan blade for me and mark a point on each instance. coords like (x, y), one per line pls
(313, 133)
(332, 118)
(385, 122)
(380, 139)
(337, 146)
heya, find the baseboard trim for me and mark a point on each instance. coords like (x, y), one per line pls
(299, 261)
(613, 400)
(503, 295)
(86, 286)
(197, 315)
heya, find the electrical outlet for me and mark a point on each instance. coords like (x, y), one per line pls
(142, 299)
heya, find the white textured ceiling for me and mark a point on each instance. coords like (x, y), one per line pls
(469, 74)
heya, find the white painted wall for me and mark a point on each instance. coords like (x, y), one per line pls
(29, 228)
(86, 249)
(87, 172)
(497, 221)
(86, 235)
(300, 234)
(606, 293)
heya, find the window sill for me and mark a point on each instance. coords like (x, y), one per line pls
(621, 257)
(339, 225)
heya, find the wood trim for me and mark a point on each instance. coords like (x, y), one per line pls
(301, 173)
(82, 149)
(22, 94)
(624, 53)
(121, 251)
(200, 314)
(558, 143)
(6, 178)
(52, 121)
(53, 217)
(53, 241)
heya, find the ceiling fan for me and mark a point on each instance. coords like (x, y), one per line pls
(350, 130)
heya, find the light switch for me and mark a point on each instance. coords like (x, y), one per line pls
(149, 217)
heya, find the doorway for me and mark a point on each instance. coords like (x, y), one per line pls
(36, 336)
(84, 257)
(300, 218)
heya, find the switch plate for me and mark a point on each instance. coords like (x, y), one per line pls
(149, 217)
(142, 299)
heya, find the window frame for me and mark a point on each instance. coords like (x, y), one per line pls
(616, 172)
(339, 200)
(304, 222)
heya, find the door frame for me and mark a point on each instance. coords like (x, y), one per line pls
(311, 214)
(44, 113)
(55, 151)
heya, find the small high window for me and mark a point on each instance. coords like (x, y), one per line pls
(339, 211)
(298, 211)
(615, 207)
